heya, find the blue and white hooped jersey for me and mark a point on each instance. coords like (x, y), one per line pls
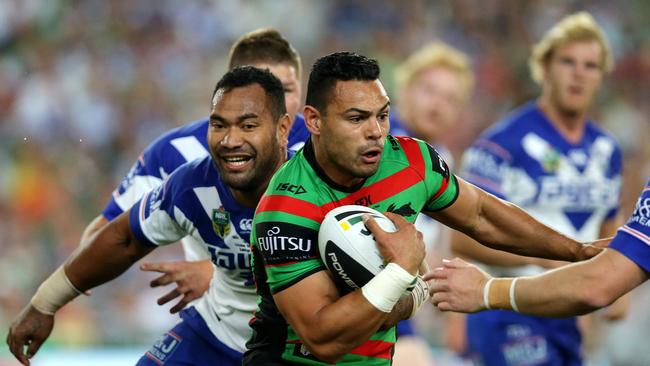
(633, 238)
(163, 156)
(572, 188)
(193, 201)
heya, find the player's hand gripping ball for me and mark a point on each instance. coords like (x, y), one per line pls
(348, 248)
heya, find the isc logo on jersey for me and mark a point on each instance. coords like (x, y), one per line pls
(348, 248)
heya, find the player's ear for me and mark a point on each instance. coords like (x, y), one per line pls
(283, 128)
(312, 119)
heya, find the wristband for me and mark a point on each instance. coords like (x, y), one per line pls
(513, 302)
(498, 293)
(386, 288)
(419, 294)
(54, 292)
(486, 292)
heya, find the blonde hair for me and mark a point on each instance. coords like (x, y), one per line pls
(436, 54)
(576, 27)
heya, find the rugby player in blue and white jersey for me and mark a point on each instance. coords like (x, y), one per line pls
(247, 139)
(574, 289)
(548, 158)
(264, 48)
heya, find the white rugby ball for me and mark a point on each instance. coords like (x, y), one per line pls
(348, 248)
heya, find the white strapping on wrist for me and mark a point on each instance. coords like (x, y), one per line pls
(386, 288)
(54, 292)
(486, 292)
(419, 295)
(513, 302)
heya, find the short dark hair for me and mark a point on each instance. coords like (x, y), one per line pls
(343, 66)
(264, 45)
(247, 75)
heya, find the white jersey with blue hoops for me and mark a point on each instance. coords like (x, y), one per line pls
(163, 156)
(571, 187)
(193, 201)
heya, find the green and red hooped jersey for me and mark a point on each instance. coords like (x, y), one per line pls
(411, 178)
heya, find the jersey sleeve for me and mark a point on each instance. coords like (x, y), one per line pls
(485, 165)
(442, 184)
(143, 177)
(633, 238)
(286, 235)
(153, 218)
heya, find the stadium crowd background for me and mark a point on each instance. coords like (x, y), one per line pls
(86, 85)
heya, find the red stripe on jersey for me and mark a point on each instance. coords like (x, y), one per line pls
(413, 153)
(378, 349)
(441, 190)
(380, 190)
(292, 206)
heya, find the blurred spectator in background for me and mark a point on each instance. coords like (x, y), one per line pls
(550, 159)
(85, 85)
(433, 86)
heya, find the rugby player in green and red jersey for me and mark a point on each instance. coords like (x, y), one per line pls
(303, 318)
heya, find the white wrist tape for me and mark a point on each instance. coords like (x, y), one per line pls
(486, 293)
(419, 294)
(386, 288)
(513, 302)
(54, 292)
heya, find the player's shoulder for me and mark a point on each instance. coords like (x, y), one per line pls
(504, 137)
(596, 132)
(192, 174)
(191, 133)
(409, 149)
(293, 176)
(514, 125)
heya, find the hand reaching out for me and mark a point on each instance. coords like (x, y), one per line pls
(192, 280)
(457, 286)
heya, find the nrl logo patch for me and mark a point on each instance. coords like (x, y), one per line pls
(551, 161)
(221, 222)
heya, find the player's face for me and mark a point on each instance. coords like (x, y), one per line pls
(243, 138)
(432, 102)
(353, 130)
(573, 75)
(290, 82)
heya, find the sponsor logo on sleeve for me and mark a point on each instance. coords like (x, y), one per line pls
(437, 163)
(641, 214)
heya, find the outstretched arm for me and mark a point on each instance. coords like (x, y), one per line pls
(574, 289)
(502, 225)
(112, 251)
